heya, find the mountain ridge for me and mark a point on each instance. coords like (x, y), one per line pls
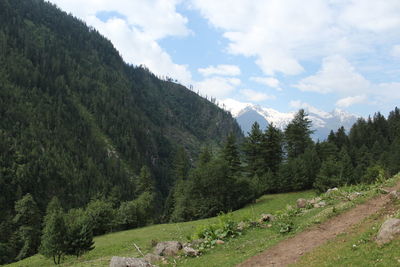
(322, 122)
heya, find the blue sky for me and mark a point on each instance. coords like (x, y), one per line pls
(282, 54)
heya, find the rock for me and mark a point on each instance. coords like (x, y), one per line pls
(267, 218)
(301, 203)
(384, 191)
(167, 248)
(330, 190)
(389, 230)
(316, 205)
(241, 226)
(219, 242)
(191, 251)
(197, 242)
(322, 204)
(153, 258)
(394, 195)
(129, 262)
(314, 200)
(354, 195)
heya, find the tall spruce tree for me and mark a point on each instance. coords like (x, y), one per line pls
(272, 148)
(252, 151)
(298, 134)
(230, 154)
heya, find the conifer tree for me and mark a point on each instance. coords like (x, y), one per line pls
(252, 150)
(272, 148)
(28, 221)
(230, 154)
(297, 134)
(54, 235)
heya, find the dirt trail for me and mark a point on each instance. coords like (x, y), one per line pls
(290, 250)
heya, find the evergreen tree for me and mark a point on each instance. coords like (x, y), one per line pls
(230, 154)
(54, 235)
(272, 149)
(79, 237)
(297, 134)
(253, 157)
(145, 181)
(28, 221)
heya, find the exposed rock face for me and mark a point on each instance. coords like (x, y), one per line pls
(129, 262)
(301, 203)
(168, 248)
(389, 230)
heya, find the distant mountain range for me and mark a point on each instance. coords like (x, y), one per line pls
(322, 122)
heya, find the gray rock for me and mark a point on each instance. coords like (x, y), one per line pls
(330, 190)
(267, 218)
(168, 248)
(394, 195)
(191, 251)
(383, 191)
(322, 204)
(301, 203)
(389, 230)
(153, 258)
(241, 226)
(354, 195)
(129, 262)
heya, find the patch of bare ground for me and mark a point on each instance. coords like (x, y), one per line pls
(290, 250)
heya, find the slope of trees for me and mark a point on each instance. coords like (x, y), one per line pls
(77, 123)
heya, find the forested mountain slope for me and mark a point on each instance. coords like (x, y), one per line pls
(79, 123)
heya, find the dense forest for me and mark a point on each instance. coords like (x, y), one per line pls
(90, 144)
(79, 124)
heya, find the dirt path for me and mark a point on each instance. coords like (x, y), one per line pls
(290, 250)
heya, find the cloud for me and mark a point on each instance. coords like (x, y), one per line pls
(136, 32)
(268, 81)
(351, 100)
(336, 75)
(395, 52)
(227, 70)
(298, 104)
(219, 87)
(283, 35)
(255, 96)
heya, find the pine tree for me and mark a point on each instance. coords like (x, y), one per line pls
(145, 181)
(28, 221)
(272, 149)
(252, 147)
(297, 134)
(230, 154)
(54, 237)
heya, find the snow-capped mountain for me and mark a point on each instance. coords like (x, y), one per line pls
(322, 122)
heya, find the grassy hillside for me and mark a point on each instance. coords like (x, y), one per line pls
(121, 243)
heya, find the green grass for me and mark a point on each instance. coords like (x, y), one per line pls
(234, 251)
(357, 247)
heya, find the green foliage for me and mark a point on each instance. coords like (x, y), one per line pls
(101, 216)
(54, 237)
(79, 237)
(27, 220)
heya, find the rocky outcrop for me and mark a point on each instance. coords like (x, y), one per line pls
(129, 262)
(168, 248)
(389, 230)
(301, 203)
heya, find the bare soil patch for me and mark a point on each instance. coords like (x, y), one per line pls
(290, 250)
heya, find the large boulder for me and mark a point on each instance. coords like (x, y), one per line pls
(389, 230)
(129, 262)
(153, 258)
(301, 203)
(168, 248)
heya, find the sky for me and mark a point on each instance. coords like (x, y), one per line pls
(281, 54)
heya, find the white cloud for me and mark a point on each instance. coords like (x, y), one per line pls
(282, 35)
(219, 87)
(351, 100)
(337, 75)
(268, 81)
(227, 70)
(255, 96)
(136, 35)
(395, 52)
(297, 104)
